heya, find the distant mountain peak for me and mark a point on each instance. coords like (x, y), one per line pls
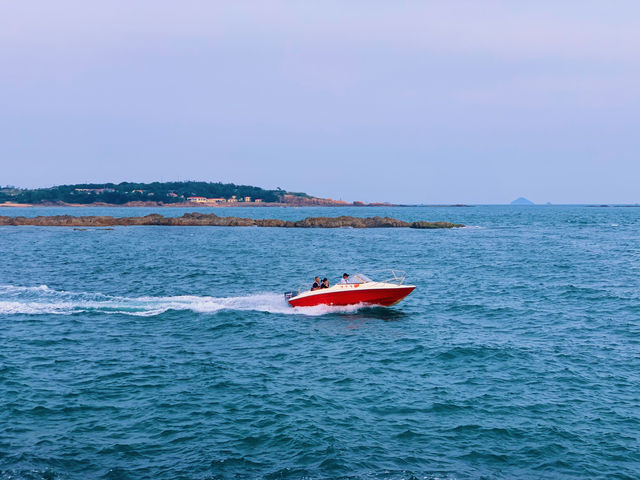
(522, 201)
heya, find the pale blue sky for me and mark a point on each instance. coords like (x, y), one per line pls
(417, 102)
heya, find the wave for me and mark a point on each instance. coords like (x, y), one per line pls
(44, 300)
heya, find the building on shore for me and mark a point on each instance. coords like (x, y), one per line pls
(94, 190)
(207, 201)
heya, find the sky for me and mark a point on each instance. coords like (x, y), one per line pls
(408, 102)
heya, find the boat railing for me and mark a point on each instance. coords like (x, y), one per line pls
(381, 276)
(390, 275)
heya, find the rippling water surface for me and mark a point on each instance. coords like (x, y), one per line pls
(169, 352)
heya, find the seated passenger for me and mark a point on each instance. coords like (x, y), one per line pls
(345, 279)
(316, 284)
(325, 283)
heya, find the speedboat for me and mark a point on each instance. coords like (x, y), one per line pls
(359, 290)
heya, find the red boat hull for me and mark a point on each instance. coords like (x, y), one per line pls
(383, 296)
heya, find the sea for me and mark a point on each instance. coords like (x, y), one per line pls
(156, 352)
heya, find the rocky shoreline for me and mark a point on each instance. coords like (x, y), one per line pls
(201, 219)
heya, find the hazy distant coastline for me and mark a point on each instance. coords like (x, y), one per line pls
(161, 194)
(170, 194)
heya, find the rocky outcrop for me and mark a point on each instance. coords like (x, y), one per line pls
(299, 201)
(353, 222)
(435, 225)
(212, 220)
(274, 222)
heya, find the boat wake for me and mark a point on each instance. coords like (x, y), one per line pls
(44, 300)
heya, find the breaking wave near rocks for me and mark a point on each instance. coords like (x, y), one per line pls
(44, 300)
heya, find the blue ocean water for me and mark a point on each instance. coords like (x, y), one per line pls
(169, 352)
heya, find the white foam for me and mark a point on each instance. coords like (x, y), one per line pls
(44, 300)
(34, 308)
(18, 289)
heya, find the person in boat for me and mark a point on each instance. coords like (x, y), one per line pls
(316, 284)
(345, 279)
(325, 283)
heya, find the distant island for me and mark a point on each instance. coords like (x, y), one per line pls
(212, 220)
(522, 201)
(170, 194)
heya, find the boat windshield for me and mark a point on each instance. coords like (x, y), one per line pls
(359, 278)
